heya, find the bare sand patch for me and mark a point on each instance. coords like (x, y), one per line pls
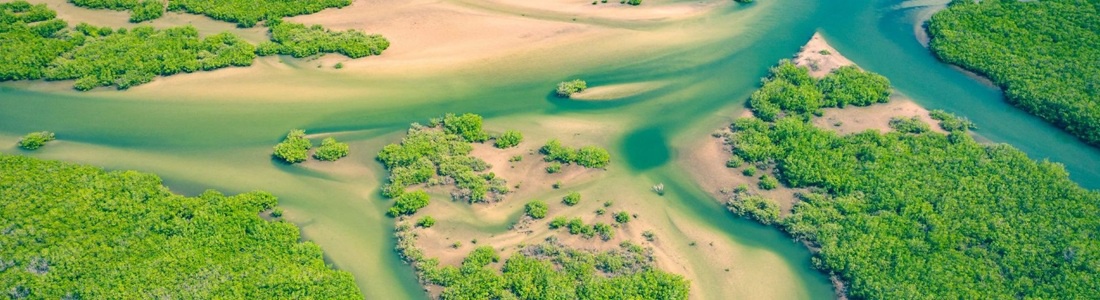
(432, 33)
(652, 10)
(856, 119)
(820, 57)
(706, 160)
(616, 91)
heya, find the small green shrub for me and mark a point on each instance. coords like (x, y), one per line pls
(555, 151)
(951, 122)
(755, 207)
(294, 148)
(572, 198)
(603, 230)
(750, 171)
(426, 222)
(509, 139)
(622, 217)
(408, 203)
(35, 140)
(467, 125)
(768, 182)
(587, 156)
(554, 167)
(592, 157)
(909, 125)
(734, 162)
(558, 222)
(331, 150)
(568, 88)
(536, 209)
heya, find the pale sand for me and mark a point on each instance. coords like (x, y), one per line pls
(820, 57)
(428, 32)
(441, 34)
(706, 162)
(651, 10)
(855, 119)
(616, 91)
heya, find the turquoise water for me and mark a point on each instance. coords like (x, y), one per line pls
(196, 144)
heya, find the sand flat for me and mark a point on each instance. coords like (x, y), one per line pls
(616, 91)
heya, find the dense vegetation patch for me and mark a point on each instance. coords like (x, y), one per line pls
(294, 148)
(298, 40)
(571, 199)
(246, 13)
(509, 139)
(906, 215)
(1043, 53)
(33, 37)
(409, 203)
(536, 209)
(126, 58)
(790, 89)
(568, 88)
(587, 156)
(440, 155)
(35, 140)
(331, 150)
(754, 207)
(38, 46)
(951, 122)
(72, 232)
(466, 125)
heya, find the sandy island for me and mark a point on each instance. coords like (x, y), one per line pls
(706, 160)
(683, 245)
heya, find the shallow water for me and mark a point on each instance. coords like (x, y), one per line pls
(200, 133)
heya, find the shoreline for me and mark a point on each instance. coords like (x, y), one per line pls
(706, 162)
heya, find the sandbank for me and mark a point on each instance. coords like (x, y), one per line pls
(616, 91)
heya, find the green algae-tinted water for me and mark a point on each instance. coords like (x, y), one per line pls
(197, 144)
